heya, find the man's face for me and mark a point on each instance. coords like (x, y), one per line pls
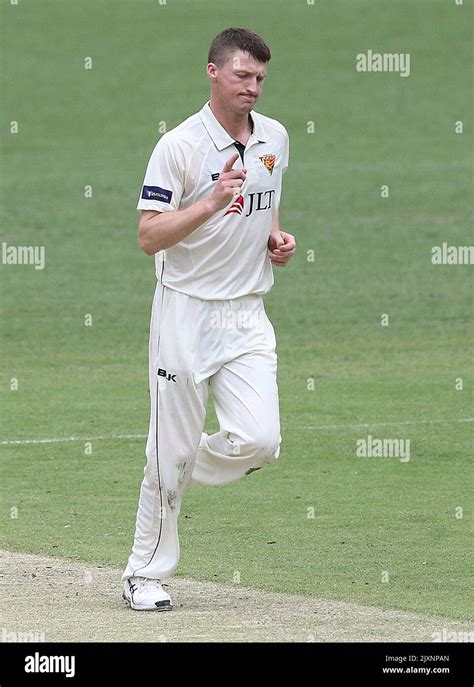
(239, 81)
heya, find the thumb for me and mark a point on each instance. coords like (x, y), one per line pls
(279, 241)
(229, 164)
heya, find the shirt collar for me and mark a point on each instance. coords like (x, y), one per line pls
(219, 135)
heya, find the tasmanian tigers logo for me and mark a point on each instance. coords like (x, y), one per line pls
(269, 162)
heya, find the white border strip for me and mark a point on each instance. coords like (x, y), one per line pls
(64, 440)
(117, 437)
(387, 424)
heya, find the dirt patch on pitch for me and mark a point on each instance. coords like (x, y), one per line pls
(55, 600)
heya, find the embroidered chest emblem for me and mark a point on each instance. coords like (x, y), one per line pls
(268, 161)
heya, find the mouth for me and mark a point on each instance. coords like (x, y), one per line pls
(248, 98)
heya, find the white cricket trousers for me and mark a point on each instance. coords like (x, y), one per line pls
(227, 347)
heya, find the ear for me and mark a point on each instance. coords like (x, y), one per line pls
(211, 70)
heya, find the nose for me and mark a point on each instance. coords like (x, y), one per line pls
(253, 87)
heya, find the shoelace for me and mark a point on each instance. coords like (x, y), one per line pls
(146, 584)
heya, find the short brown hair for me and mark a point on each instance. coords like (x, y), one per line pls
(233, 39)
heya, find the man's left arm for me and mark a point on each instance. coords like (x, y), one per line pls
(282, 246)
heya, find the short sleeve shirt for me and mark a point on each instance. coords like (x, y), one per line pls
(227, 256)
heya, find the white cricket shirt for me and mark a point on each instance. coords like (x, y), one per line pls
(227, 256)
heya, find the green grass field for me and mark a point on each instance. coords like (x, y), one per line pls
(375, 519)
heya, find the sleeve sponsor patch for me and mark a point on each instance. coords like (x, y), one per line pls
(157, 193)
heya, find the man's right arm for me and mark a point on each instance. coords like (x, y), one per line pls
(160, 230)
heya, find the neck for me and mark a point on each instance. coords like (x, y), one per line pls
(237, 125)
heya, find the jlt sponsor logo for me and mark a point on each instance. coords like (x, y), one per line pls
(237, 319)
(261, 200)
(452, 255)
(50, 664)
(386, 448)
(383, 62)
(23, 255)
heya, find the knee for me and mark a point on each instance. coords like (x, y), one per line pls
(263, 445)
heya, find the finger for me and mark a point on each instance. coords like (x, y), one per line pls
(228, 165)
(289, 242)
(233, 190)
(235, 174)
(288, 246)
(235, 183)
(275, 240)
(278, 256)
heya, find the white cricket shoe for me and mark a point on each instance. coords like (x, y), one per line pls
(145, 594)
